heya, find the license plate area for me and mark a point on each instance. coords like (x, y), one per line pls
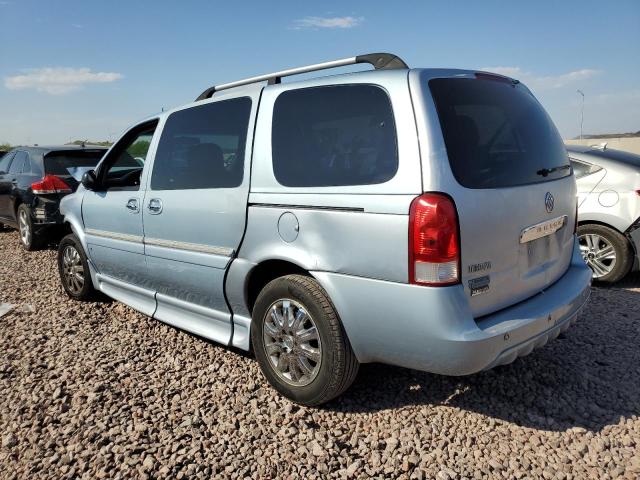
(538, 251)
(542, 229)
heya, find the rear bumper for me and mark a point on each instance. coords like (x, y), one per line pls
(432, 329)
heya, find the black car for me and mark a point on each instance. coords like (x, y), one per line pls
(33, 180)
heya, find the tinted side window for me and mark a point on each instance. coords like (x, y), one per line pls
(19, 164)
(203, 147)
(334, 136)
(6, 161)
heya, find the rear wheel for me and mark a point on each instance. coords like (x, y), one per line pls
(73, 268)
(299, 341)
(28, 238)
(606, 252)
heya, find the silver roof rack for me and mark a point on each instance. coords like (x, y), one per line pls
(380, 61)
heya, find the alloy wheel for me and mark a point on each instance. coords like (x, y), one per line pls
(24, 227)
(292, 342)
(72, 269)
(598, 253)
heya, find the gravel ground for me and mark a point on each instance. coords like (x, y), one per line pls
(98, 390)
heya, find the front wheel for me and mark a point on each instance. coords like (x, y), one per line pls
(73, 268)
(606, 252)
(299, 341)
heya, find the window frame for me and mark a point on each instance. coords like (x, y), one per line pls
(395, 131)
(125, 141)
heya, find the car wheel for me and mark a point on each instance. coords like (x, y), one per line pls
(606, 251)
(299, 341)
(28, 238)
(73, 268)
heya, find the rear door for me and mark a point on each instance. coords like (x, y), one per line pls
(11, 184)
(512, 185)
(194, 212)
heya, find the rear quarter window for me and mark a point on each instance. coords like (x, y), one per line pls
(582, 169)
(334, 136)
(496, 133)
(20, 163)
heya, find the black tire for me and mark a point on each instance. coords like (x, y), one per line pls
(85, 291)
(338, 366)
(621, 247)
(29, 239)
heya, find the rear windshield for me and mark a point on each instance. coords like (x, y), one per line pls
(72, 163)
(496, 133)
(618, 155)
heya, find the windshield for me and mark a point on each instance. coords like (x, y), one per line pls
(496, 133)
(73, 163)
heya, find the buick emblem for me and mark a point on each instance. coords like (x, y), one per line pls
(548, 202)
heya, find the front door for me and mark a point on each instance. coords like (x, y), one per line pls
(113, 220)
(6, 185)
(194, 213)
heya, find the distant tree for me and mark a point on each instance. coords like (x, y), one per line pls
(139, 149)
(88, 142)
(5, 146)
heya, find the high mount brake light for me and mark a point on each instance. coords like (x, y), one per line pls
(434, 243)
(50, 184)
(496, 78)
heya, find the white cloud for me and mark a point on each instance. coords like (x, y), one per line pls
(617, 97)
(58, 80)
(327, 22)
(544, 81)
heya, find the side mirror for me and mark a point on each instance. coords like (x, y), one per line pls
(89, 180)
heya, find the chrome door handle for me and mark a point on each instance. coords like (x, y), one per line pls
(132, 205)
(155, 206)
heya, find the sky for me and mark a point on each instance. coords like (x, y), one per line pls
(88, 69)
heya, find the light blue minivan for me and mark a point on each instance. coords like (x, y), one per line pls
(424, 218)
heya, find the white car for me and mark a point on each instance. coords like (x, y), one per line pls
(608, 209)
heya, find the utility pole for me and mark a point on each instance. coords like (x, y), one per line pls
(581, 112)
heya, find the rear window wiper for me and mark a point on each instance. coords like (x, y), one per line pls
(546, 171)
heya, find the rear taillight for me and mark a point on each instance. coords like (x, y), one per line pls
(434, 243)
(50, 184)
